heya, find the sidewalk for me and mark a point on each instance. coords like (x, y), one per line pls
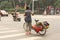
(41, 15)
(47, 16)
(44, 16)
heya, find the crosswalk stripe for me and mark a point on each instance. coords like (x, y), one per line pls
(12, 35)
(1, 26)
(4, 28)
(8, 31)
(31, 38)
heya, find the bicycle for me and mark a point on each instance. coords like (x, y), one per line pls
(39, 27)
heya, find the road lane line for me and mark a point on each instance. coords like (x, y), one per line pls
(31, 38)
(12, 35)
(4, 28)
(8, 31)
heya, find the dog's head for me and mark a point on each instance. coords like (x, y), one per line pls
(46, 23)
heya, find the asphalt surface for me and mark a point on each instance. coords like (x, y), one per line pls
(10, 30)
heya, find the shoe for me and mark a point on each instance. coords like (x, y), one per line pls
(28, 33)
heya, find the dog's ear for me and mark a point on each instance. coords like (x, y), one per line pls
(48, 24)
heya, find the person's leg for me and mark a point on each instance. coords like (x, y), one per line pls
(30, 25)
(27, 29)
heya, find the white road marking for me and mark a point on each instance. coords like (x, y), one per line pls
(4, 28)
(8, 31)
(12, 35)
(31, 38)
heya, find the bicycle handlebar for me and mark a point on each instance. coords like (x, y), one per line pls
(36, 20)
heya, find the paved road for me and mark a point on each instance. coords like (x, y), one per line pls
(10, 30)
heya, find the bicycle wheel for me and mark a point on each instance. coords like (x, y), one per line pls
(24, 26)
(42, 32)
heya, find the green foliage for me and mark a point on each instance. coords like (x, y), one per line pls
(5, 4)
(8, 4)
(57, 3)
(21, 10)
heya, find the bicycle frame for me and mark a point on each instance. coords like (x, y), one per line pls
(37, 29)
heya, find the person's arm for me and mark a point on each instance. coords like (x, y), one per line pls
(25, 14)
(32, 13)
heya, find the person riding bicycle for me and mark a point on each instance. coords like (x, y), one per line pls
(28, 20)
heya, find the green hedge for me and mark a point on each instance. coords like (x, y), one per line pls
(21, 10)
